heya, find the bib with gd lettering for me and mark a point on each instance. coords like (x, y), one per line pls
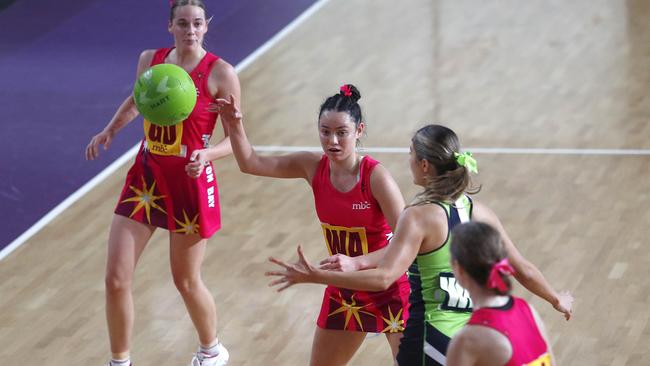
(164, 140)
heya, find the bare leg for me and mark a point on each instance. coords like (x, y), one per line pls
(186, 256)
(126, 242)
(334, 347)
(394, 339)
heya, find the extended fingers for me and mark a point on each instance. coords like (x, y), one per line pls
(275, 273)
(91, 150)
(301, 254)
(289, 284)
(278, 281)
(221, 101)
(279, 262)
(88, 153)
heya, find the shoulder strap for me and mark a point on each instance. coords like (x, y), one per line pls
(160, 55)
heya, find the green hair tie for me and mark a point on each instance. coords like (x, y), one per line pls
(465, 159)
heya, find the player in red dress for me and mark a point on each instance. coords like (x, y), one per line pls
(171, 185)
(357, 202)
(503, 329)
(354, 225)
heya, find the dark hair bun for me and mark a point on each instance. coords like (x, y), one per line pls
(350, 91)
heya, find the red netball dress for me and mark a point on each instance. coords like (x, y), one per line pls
(353, 224)
(158, 191)
(515, 321)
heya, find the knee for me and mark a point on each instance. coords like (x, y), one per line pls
(115, 283)
(187, 284)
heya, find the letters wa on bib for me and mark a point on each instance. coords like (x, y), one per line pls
(353, 224)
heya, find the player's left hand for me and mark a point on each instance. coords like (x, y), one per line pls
(299, 272)
(339, 262)
(198, 161)
(565, 304)
(228, 111)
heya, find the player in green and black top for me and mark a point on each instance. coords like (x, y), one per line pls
(439, 306)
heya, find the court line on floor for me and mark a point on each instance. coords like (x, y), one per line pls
(477, 150)
(92, 183)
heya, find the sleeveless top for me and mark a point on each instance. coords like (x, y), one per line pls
(436, 297)
(353, 224)
(157, 190)
(515, 320)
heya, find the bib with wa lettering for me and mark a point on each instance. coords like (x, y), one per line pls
(351, 241)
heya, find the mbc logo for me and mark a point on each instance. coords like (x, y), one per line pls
(361, 205)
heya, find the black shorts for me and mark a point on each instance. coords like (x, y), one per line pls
(422, 345)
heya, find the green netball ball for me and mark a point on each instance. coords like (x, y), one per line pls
(165, 94)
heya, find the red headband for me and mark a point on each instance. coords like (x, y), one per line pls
(495, 280)
(346, 90)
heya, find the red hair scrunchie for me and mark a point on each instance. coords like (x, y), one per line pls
(346, 90)
(495, 280)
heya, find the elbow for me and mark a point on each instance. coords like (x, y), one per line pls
(383, 283)
(247, 164)
(244, 169)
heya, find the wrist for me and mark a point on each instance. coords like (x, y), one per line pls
(555, 300)
(110, 131)
(359, 263)
(317, 275)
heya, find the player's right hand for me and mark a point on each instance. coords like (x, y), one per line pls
(301, 271)
(103, 138)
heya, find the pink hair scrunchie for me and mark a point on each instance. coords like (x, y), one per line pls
(346, 90)
(495, 280)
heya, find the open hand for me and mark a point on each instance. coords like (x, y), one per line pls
(565, 304)
(227, 109)
(299, 272)
(103, 138)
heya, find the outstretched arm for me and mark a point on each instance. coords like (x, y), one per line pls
(400, 254)
(296, 165)
(526, 272)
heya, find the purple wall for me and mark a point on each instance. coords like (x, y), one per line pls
(66, 66)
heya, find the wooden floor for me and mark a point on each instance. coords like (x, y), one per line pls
(503, 74)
